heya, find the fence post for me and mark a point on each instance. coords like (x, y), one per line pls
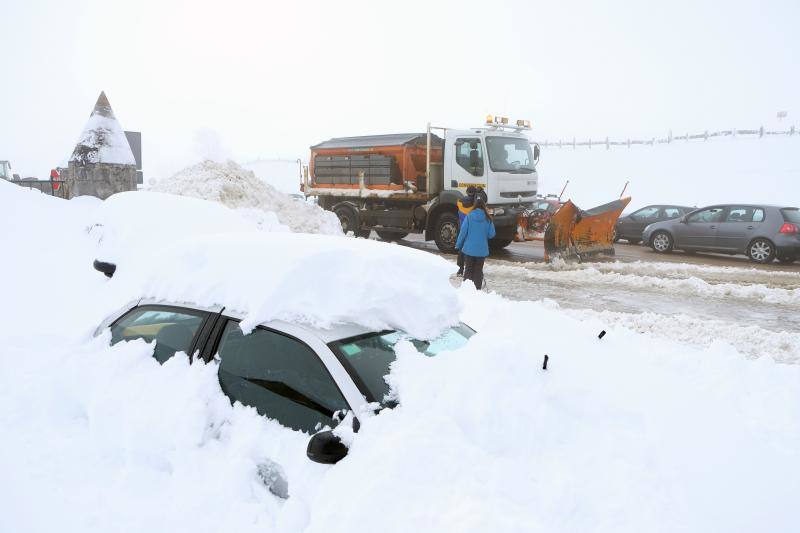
(760, 132)
(608, 146)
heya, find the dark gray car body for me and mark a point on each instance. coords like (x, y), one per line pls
(731, 229)
(630, 227)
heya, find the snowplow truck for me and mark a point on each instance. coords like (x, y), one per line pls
(404, 183)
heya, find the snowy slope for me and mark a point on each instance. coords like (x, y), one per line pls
(631, 433)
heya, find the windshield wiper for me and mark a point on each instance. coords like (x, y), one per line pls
(282, 389)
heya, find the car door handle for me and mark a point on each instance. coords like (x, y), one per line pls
(750, 227)
(712, 227)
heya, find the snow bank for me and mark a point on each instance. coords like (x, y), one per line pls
(689, 285)
(230, 184)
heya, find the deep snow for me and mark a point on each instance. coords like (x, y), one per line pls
(628, 433)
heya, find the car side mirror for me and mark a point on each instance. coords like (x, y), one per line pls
(684, 219)
(325, 447)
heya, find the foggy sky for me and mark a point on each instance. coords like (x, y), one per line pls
(268, 79)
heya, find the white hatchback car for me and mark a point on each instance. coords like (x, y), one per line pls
(306, 378)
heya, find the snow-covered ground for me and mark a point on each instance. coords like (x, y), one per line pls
(635, 432)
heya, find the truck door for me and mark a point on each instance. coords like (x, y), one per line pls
(468, 164)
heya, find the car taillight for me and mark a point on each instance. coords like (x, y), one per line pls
(789, 228)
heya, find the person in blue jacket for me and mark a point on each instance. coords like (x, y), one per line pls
(464, 205)
(473, 241)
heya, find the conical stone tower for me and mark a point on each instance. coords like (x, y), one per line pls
(102, 163)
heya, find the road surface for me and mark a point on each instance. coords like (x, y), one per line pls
(699, 299)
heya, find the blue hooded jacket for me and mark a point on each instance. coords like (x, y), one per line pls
(476, 230)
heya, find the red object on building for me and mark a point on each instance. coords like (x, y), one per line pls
(54, 176)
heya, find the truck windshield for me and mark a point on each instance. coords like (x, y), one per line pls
(510, 154)
(367, 357)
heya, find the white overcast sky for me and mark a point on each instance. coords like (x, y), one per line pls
(268, 79)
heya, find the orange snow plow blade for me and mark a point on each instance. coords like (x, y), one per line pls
(574, 233)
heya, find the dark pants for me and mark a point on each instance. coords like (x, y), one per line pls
(460, 261)
(473, 270)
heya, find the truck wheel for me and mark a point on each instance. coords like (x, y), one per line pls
(349, 220)
(389, 236)
(499, 244)
(446, 232)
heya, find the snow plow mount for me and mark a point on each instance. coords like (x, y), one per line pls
(574, 233)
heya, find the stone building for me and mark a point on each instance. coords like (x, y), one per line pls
(102, 163)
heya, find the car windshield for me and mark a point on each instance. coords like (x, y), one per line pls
(510, 154)
(367, 357)
(791, 214)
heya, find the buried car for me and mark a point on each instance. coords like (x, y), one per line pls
(306, 378)
(762, 232)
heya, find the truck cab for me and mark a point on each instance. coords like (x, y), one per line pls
(501, 162)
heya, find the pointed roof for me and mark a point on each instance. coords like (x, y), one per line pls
(103, 139)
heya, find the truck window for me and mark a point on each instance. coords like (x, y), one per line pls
(469, 155)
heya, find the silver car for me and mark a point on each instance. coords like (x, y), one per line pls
(762, 232)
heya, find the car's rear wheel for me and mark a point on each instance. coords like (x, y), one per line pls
(662, 242)
(446, 232)
(761, 251)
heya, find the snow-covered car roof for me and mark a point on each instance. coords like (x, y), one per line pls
(181, 249)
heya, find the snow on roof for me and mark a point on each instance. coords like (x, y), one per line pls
(367, 141)
(103, 140)
(200, 252)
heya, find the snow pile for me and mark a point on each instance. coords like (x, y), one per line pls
(103, 140)
(230, 184)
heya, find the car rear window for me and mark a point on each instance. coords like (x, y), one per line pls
(791, 214)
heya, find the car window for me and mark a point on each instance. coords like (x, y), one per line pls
(672, 212)
(744, 214)
(172, 329)
(367, 357)
(791, 214)
(469, 155)
(713, 214)
(278, 375)
(646, 213)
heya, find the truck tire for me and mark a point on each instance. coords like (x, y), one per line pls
(446, 232)
(390, 236)
(348, 217)
(499, 244)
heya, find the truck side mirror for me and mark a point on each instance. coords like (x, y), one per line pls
(536, 152)
(325, 447)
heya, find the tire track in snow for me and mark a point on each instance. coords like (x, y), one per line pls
(689, 286)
